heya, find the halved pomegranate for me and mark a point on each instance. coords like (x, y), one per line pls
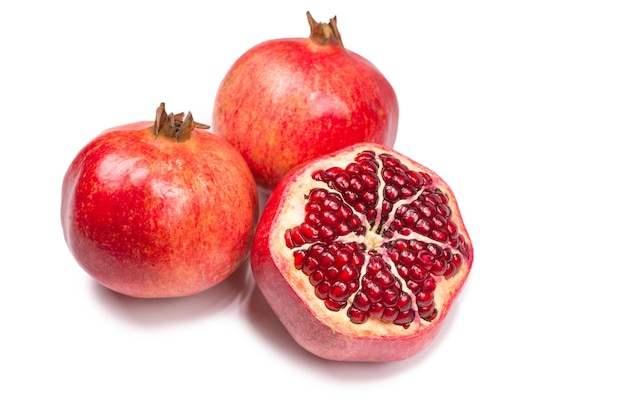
(361, 254)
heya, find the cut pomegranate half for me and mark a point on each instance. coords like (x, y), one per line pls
(361, 254)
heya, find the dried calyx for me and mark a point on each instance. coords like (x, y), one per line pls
(324, 33)
(177, 127)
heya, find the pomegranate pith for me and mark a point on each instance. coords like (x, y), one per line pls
(371, 245)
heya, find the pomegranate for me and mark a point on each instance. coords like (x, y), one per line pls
(147, 208)
(361, 253)
(285, 101)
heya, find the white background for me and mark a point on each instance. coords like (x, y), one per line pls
(520, 106)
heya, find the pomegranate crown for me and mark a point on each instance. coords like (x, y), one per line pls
(177, 126)
(324, 33)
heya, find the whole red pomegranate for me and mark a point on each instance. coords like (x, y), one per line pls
(159, 209)
(361, 253)
(285, 101)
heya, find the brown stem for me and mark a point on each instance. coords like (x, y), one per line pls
(176, 127)
(324, 33)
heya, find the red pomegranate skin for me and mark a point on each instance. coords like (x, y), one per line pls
(323, 333)
(285, 101)
(150, 217)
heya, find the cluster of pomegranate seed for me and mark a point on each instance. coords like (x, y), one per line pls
(381, 296)
(333, 269)
(327, 218)
(374, 239)
(428, 215)
(416, 262)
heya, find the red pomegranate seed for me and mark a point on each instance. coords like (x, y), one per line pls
(390, 314)
(375, 265)
(357, 316)
(309, 232)
(387, 174)
(358, 259)
(316, 278)
(356, 184)
(413, 285)
(376, 310)
(348, 273)
(327, 234)
(343, 228)
(309, 266)
(318, 195)
(424, 298)
(394, 255)
(370, 198)
(404, 302)
(408, 257)
(332, 203)
(404, 318)
(296, 237)
(418, 273)
(423, 227)
(322, 289)
(353, 168)
(330, 218)
(370, 181)
(427, 313)
(391, 193)
(361, 301)
(342, 257)
(331, 273)
(313, 207)
(438, 267)
(326, 260)
(313, 219)
(341, 181)
(385, 279)
(425, 258)
(298, 259)
(316, 250)
(338, 291)
(374, 292)
(401, 245)
(390, 297)
(429, 285)
(370, 166)
(403, 271)
(334, 305)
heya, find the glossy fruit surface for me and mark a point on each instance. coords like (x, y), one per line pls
(285, 101)
(147, 208)
(361, 254)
